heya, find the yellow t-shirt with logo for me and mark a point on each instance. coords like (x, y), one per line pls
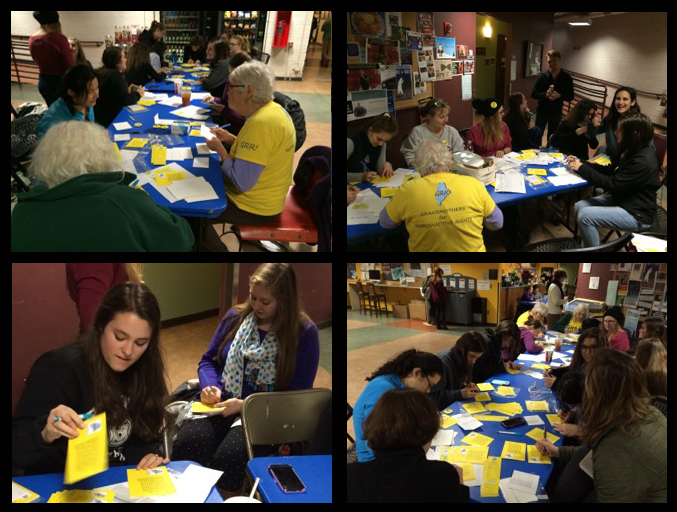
(443, 212)
(267, 138)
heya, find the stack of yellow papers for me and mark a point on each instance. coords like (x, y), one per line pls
(82, 496)
(485, 386)
(510, 408)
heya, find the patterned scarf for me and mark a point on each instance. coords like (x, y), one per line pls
(261, 360)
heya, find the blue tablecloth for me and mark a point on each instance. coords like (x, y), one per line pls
(491, 428)
(362, 232)
(212, 174)
(313, 470)
(48, 484)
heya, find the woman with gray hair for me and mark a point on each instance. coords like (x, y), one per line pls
(81, 205)
(258, 171)
(442, 211)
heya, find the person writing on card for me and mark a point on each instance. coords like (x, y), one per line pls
(115, 367)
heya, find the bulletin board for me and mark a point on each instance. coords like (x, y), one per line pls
(409, 19)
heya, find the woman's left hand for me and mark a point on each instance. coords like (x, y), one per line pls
(232, 406)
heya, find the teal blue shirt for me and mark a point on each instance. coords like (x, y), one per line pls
(363, 406)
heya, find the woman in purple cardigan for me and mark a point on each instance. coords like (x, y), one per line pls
(266, 344)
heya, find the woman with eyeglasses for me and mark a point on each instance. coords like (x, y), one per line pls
(612, 327)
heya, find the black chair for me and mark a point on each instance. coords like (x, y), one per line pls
(24, 139)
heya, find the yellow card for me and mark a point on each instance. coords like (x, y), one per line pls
(474, 408)
(150, 482)
(539, 172)
(555, 155)
(514, 371)
(202, 408)
(448, 421)
(537, 405)
(88, 453)
(137, 143)
(553, 418)
(537, 434)
(492, 475)
(482, 397)
(381, 180)
(485, 386)
(158, 155)
(490, 417)
(506, 391)
(473, 454)
(388, 191)
(535, 457)
(513, 451)
(196, 133)
(476, 439)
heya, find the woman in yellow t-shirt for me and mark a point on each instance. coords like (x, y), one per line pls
(258, 171)
(442, 211)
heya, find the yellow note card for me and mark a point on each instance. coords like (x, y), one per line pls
(553, 418)
(536, 171)
(150, 482)
(535, 457)
(473, 454)
(506, 391)
(158, 155)
(513, 451)
(137, 143)
(476, 439)
(537, 405)
(202, 408)
(482, 397)
(381, 180)
(88, 453)
(537, 434)
(491, 477)
(388, 191)
(490, 417)
(474, 408)
(448, 421)
(485, 386)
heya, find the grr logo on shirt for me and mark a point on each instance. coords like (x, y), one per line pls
(442, 193)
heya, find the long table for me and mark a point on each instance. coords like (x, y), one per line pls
(213, 174)
(491, 428)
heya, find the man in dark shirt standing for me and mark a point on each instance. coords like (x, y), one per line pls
(552, 89)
